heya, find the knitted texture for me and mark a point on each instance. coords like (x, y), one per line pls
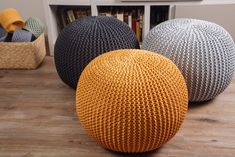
(3, 34)
(35, 26)
(203, 51)
(131, 100)
(11, 20)
(21, 36)
(87, 38)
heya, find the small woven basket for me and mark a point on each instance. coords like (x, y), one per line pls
(22, 55)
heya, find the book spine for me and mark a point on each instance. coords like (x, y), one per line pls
(108, 14)
(64, 18)
(83, 13)
(138, 30)
(134, 20)
(134, 25)
(130, 20)
(77, 14)
(126, 17)
(141, 26)
(61, 23)
(120, 16)
(102, 14)
(71, 15)
(88, 12)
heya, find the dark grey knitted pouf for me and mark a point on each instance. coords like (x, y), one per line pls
(87, 38)
(203, 51)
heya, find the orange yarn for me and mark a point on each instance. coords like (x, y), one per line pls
(131, 100)
(11, 20)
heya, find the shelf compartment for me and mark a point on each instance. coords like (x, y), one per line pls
(158, 14)
(131, 15)
(66, 14)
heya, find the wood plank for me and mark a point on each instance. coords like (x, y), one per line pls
(38, 119)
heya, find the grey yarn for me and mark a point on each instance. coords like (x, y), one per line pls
(3, 34)
(35, 26)
(21, 36)
(203, 51)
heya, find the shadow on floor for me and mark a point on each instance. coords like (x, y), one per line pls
(193, 105)
(145, 154)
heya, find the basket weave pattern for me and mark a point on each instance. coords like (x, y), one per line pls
(131, 100)
(23, 55)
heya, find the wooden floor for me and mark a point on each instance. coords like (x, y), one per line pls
(38, 119)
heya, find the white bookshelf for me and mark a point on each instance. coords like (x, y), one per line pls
(53, 30)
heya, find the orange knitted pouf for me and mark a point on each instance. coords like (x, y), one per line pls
(131, 100)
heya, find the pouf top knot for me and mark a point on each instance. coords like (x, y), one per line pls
(131, 100)
(202, 50)
(87, 38)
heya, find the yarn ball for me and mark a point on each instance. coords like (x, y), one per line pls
(203, 51)
(3, 34)
(131, 100)
(35, 26)
(21, 36)
(87, 38)
(10, 19)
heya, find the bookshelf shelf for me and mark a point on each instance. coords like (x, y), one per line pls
(153, 12)
(97, 7)
(69, 2)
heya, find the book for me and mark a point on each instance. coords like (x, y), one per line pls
(83, 13)
(133, 20)
(158, 14)
(88, 12)
(141, 25)
(77, 13)
(102, 14)
(62, 18)
(130, 20)
(105, 14)
(131, 15)
(71, 16)
(126, 17)
(120, 15)
(108, 14)
(138, 30)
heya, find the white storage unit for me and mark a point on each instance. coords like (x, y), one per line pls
(175, 8)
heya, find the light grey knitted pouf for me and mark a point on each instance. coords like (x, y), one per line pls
(203, 51)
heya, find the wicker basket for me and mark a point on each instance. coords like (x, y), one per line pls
(22, 55)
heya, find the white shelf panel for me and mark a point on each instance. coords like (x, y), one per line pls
(120, 4)
(69, 2)
(183, 2)
(133, 2)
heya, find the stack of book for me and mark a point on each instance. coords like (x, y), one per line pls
(133, 16)
(67, 15)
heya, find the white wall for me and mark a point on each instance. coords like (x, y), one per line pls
(26, 8)
(220, 14)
